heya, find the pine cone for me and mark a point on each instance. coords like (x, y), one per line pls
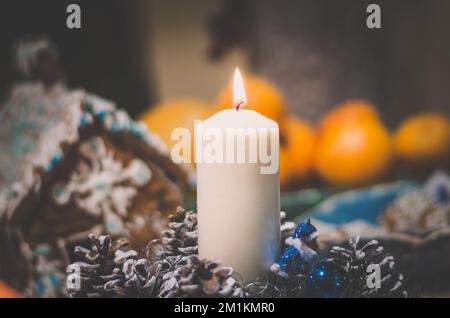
(205, 278)
(272, 285)
(179, 240)
(183, 273)
(356, 262)
(181, 237)
(415, 212)
(109, 269)
(173, 250)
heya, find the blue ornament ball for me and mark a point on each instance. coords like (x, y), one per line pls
(327, 280)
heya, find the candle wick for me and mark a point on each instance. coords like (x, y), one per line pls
(239, 105)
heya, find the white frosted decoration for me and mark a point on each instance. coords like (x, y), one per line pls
(138, 172)
(94, 148)
(34, 123)
(121, 256)
(113, 224)
(112, 116)
(108, 122)
(121, 197)
(99, 104)
(98, 187)
(158, 143)
(122, 119)
(113, 119)
(142, 126)
(60, 194)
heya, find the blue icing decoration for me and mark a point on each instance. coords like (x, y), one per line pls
(143, 176)
(136, 130)
(59, 191)
(55, 160)
(89, 105)
(40, 287)
(54, 279)
(102, 114)
(42, 250)
(84, 120)
(116, 127)
(102, 187)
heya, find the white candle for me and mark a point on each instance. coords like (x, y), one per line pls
(238, 199)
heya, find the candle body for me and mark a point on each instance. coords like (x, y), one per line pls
(238, 205)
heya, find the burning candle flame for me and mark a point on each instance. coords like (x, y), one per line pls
(239, 96)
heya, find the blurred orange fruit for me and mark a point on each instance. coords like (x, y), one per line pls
(423, 138)
(8, 292)
(353, 153)
(263, 97)
(350, 111)
(297, 147)
(163, 118)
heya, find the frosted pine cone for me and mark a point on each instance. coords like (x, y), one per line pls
(205, 278)
(415, 212)
(356, 262)
(109, 269)
(181, 237)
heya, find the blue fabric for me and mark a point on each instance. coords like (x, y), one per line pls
(365, 204)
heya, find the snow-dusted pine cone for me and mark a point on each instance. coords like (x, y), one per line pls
(110, 269)
(357, 260)
(415, 212)
(173, 249)
(272, 285)
(206, 278)
(181, 237)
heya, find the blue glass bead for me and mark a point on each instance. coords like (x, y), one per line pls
(327, 279)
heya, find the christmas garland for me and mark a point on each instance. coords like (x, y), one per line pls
(170, 267)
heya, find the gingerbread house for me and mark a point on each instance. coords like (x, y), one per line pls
(72, 163)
